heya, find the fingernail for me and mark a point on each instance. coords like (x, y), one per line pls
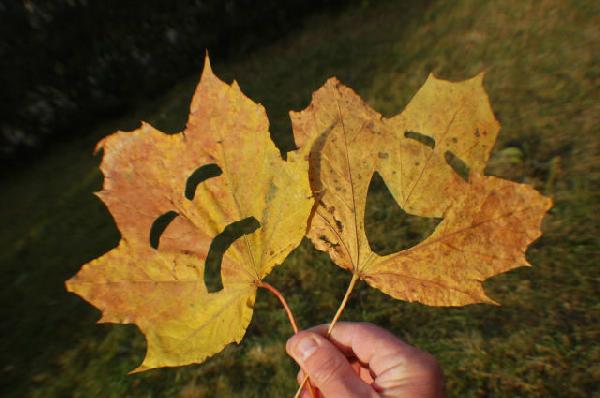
(305, 348)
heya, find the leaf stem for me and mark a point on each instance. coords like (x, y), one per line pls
(301, 388)
(336, 317)
(339, 311)
(290, 314)
(287, 309)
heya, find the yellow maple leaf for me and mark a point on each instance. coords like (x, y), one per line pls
(223, 169)
(487, 222)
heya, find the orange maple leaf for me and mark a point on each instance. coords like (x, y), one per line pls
(487, 222)
(222, 170)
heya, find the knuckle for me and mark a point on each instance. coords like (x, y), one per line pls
(431, 375)
(367, 326)
(376, 331)
(427, 366)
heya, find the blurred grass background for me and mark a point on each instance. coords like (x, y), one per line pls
(543, 76)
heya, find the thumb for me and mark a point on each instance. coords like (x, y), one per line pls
(327, 367)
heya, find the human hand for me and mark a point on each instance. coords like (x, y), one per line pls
(361, 360)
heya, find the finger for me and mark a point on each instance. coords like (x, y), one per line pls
(372, 345)
(328, 368)
(355, 365)
(397, 367)
(306, 394)
(365, 375)
(300, 377)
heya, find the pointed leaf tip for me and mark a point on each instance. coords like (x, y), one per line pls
(207, 67)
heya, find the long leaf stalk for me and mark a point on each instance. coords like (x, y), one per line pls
(336, 317)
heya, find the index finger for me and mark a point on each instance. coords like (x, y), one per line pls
(371, 344)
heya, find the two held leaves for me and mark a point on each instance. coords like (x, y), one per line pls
(174, 196)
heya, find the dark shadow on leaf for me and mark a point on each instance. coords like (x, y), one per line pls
(457, 164)
(218, 247)
(422, 138)
(315, 158)
(158, 227)
(201, 174)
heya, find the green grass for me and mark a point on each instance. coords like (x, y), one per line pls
(543, 71)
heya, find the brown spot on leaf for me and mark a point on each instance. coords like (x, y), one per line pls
(328, 242)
